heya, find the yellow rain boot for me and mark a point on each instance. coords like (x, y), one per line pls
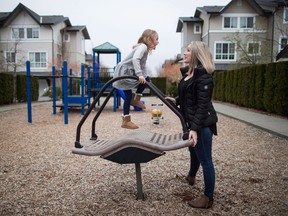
(136, 101)
(127, 123)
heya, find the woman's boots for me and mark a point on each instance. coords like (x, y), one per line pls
(127, 123)
(190, 180)
(202, 202)
(136, 101)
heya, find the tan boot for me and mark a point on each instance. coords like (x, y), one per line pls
(136, 101)
(202, 202)
(127, 123)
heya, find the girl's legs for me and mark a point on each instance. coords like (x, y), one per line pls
(126, 118)
(127, 102)
(136, 101)
(141, 87)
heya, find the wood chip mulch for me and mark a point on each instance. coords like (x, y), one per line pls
(40, 176)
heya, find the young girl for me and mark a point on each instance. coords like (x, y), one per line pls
(134, 64)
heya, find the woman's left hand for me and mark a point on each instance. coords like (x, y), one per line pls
(193, 136)
(142, 79)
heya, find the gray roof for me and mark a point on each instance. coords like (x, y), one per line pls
(7, 17)
(78, 28)
(181, 20)
(210, 9)
(261, 6)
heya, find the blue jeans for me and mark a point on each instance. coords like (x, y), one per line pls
(128, 96)
(202, 154)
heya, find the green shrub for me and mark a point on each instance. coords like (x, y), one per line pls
(21, 88)
(6, 88)
(251, 92)
(280, 100)
(269, 87)
(173, 90)
(160, 83)
(259, 85)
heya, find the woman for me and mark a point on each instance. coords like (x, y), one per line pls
(195, 94)
(134, 64)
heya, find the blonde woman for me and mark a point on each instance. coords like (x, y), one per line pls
(195, 94)
(135, 64)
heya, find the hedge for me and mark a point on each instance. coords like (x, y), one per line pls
(263, 87)
(6, 88)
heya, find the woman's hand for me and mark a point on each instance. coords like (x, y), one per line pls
(193, 136)
(171, 99)
(142, 79)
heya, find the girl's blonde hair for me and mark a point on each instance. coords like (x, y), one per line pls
(200, 53)
(147, 39)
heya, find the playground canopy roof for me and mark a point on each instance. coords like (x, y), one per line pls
(106, 48)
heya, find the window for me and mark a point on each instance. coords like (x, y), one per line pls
(18, 33)
(253, 48)
(197, 29)
(37, 59)
(66, 37)
(285, 15)
(283, 43)
(246, 22)
(32, 32)
(10, 57)
(225, 51)
(230, 22)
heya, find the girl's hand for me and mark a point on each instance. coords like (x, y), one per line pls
(142, 79)
(171, 99)
(193, 136)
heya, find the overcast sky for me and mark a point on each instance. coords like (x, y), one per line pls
(121, 22)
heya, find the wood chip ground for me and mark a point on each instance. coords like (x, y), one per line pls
(40, 176)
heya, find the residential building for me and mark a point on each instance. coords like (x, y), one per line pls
(45, 41)
(239, 33)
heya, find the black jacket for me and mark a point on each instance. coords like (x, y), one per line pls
(197, 107)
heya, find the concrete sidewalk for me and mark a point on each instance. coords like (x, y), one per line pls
(273, 124)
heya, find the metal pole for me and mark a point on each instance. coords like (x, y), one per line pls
(28, 91)
(71, 82)
(140, 194)
(54, 89)
(82, 89)
(64, 88)
(88, 85)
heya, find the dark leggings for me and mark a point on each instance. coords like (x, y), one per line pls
(128, 96)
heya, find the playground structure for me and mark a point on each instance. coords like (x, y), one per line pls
(68, 100)
(91, 82)
(136, 147)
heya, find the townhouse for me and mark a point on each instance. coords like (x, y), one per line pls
(45, 41)
(239, 33)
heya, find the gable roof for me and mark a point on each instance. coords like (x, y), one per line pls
(208, 10)
(7, 17)
(181, 20)
(261, 6)
(83, 29)
(252, 3)
(106, 48)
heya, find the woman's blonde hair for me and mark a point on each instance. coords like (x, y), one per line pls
(200, 54)
(147, 39)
